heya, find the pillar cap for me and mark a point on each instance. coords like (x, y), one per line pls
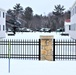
(46, 37)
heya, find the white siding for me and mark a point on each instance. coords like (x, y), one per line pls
(73, 19)
(72, 32)
(2, 23)
(66, 28)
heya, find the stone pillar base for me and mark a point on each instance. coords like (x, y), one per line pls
(46, 48)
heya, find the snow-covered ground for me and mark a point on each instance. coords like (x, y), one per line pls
(36, 35)
(31, 67)
(35, 67)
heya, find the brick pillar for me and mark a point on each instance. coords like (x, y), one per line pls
(46, 48)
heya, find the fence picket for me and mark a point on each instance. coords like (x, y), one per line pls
(27, 49)
(65, 49)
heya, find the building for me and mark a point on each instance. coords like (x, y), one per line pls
(70, 26)
(73, 21)
(2, 23)
(67, 25)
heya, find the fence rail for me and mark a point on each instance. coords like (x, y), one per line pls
(30, 49)
(26, 49)
(64, 49)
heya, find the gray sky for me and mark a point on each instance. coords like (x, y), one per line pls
(38, 6)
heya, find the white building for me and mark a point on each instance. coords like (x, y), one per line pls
(70, 27)
(73, 21)
(2, 23)
(67, 25)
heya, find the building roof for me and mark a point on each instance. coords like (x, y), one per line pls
(67, 22)
(2, 9)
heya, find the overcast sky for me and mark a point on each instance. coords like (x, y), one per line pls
(38, 6)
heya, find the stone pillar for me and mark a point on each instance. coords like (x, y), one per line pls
(46, 48)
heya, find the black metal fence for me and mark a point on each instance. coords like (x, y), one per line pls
(30, 49)
(64, 49)
(24, 49)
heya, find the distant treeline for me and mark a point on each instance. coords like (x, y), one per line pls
(25, 18)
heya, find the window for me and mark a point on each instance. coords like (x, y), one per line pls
(75, 9)
(0, 13)
(71, 12)
(69, 27)
(3, 27)
(0, 27)
(3, 14)
(73, 27)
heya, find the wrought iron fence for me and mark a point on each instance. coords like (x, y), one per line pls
(30, 49)
(24, 49)
(64, 49)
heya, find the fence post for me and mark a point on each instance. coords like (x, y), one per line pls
(39, 49)
(53, 49)
(46, 48)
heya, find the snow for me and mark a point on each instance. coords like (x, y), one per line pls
(31, 67)
(36, 35)
(35, 67)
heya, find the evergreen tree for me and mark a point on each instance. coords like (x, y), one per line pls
(59, 16)
(28, 13)
(17, 10)
(58, 10)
